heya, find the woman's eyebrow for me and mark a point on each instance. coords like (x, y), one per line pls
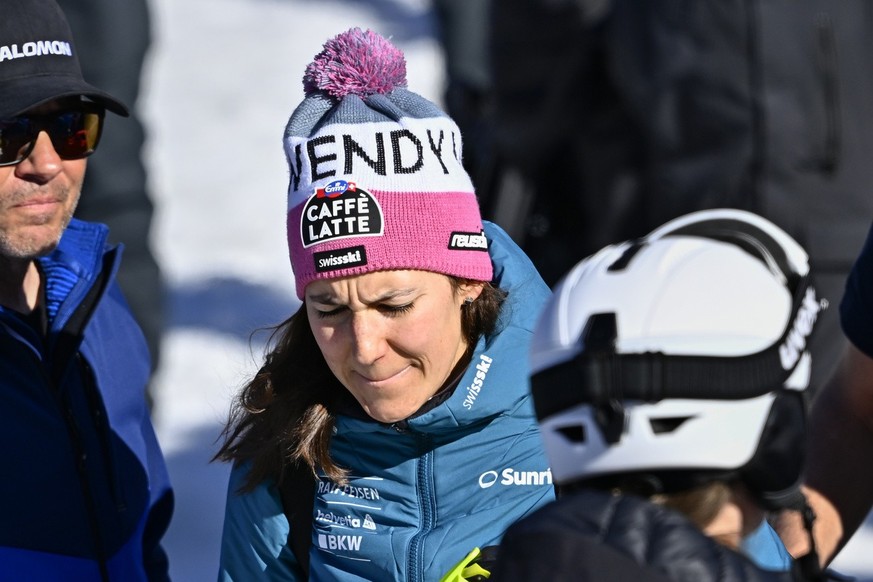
(323, 298)
(330, 298)
(394, 294)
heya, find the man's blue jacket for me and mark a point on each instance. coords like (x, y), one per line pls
(85, 494)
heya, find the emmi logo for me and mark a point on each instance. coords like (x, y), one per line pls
(348, 543)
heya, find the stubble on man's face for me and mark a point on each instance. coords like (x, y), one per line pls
(34, 214)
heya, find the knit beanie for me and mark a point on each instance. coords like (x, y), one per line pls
(376, 180)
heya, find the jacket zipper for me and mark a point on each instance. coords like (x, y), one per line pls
(81, 468)
(60, 353)
(427, 509)
(80, 456)
(101, 425)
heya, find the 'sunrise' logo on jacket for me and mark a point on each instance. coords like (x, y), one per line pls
(511, 477)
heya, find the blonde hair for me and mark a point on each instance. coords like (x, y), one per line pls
(700, 505)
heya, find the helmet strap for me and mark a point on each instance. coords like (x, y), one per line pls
(809, 565)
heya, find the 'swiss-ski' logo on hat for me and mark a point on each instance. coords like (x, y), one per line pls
(340, 259)
(340, 210)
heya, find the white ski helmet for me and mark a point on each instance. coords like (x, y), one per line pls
(680, 358)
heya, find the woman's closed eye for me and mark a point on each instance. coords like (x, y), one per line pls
(327, 313)
(395, 310)
(384, 308)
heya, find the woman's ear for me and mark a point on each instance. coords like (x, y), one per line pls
(469, 292)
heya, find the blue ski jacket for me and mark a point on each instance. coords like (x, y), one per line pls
(85, 494)
(423, 492)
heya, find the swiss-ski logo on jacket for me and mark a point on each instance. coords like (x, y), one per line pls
(340, 210)
(478, 381)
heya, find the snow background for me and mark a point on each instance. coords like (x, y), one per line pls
(223, 77)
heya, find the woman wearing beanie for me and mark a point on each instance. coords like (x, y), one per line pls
(390, 430)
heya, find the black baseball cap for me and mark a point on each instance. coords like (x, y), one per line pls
(38, 61)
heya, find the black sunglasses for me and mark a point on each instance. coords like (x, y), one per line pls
(74, 133)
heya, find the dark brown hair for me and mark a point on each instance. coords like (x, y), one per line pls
(286, 413)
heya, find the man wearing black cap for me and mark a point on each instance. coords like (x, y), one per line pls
(85, 493)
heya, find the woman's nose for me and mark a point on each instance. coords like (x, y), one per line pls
(367, 338)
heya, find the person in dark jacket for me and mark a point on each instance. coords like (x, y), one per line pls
(669, 380)
(839, 478)
(114, 38)
(85, 494)
(620, 115)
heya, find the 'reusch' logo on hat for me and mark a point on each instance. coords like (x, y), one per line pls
(468, 241)
(340, 210)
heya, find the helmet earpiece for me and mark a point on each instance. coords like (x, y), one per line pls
(774, 472)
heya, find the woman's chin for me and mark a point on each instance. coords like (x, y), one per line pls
(389, 414)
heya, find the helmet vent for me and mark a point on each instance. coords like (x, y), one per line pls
(623, 261)
(667, 425)
(574, 433)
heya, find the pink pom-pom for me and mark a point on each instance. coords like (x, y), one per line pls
(356, 63)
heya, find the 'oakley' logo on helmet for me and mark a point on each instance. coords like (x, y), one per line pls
(795, 343)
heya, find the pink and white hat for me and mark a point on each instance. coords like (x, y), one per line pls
(376, 180)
